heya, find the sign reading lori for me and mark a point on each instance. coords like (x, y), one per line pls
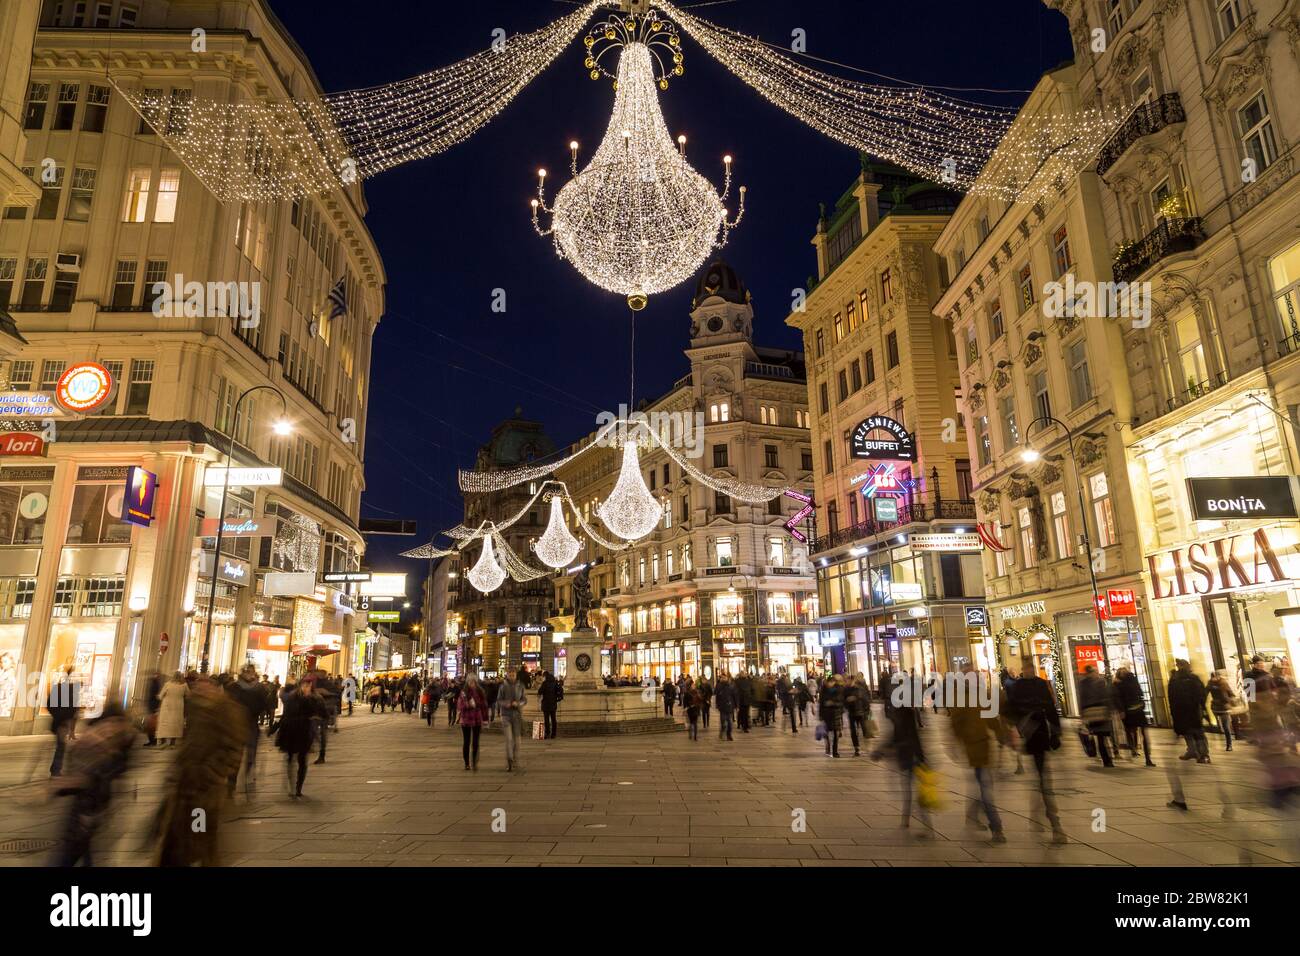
(897, 445)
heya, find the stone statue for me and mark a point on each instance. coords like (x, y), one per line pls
(581, 599)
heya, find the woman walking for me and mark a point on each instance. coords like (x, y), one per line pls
(171, 715)
(302, 708)
(1133, 708)
(691, 701)
(1222, 701)
(830, 704)
(472, 713)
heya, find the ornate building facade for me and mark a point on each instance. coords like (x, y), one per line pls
(120, 227)
(893, 481)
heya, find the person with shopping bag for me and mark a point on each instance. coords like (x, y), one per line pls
(1095, 709)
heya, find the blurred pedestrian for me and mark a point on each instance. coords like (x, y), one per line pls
(1132, 705)
(974, 730)
(726, 699)
(1186, 706)
(300, 722)
(1032, 705)
(248, 694)
(549, 694)
(511, 699)
(97, 757)
(472, 714)
(1222, 702)
(63, 703)
(1095, 710)
(691, 702)
(830, 707)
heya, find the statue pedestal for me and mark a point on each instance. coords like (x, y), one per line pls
(589, 708)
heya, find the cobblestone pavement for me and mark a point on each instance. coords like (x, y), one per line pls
(393, 792)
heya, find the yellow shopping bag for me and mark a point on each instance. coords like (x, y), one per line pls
(927, 787)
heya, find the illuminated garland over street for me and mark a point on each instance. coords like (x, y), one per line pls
(267, 151)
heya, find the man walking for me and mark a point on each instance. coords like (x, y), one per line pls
(510, 707)
(726, 696)
(549, 695)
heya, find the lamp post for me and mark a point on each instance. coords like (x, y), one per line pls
(282, 427)
(1030, 455)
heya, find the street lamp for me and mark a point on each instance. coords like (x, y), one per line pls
(281, 427)
(1030, 455)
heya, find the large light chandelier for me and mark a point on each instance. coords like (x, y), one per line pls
(557, 547)
(630, 511)
(487, 574)
(638, 219)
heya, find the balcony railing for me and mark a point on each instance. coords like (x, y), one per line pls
(1170, 237)
(1195, 390)
(1143, 121)
(908, 513)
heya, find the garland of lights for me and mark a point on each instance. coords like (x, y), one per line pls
(487, 575)
(267, 151)
(479, 482)
(630, 511)
(639, 219)
(557, 547)
(941, 138)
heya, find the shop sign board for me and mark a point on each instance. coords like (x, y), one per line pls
(1027, 609)
(896, 445)
(947, 541)
(1121, 602)
(29, 405)
(234, 528)
(344, 577)
(83, 387)
(977, 615)
(381, 617)
(1248, 496)
(1223, 564)
(886, 508)
(233, 571)
(141, 488)
(1087, 655)
(533, 629)
(906, 591)
(384, 585)
(21, 445)
(289, 584)
(215, 477)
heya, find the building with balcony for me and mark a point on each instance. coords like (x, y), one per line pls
(720, 585)
(1035, 360)
(1201, 197)
(893, 485)
(86, 272)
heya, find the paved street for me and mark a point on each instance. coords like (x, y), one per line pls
(393, 792)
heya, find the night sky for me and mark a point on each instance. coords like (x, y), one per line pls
(453, 228)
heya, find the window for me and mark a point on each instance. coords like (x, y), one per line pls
(964, 483)
(997, 328)
(870, 361)
(169, 187)
(20, 376)
(688, 613)
(972, 345)
(891, 349)
(1080, 382)
(137, 196)
(1116, 15)
(34, 283)
(178, 112)
(668, 513)
(771, 457)
(806, 459)
(83, 192)
(1103, 511)
(20, 212)
(719, 456)
(1010, 430)
(155, 271)
(152, 97)
(1026, 288)
(1005, 561)
(8, 271)
(92, 520)
(38, 97)
(721, 503)
(853, 509)
(15, 526)
(886, 286)
(1042, 402)
(686, 508)
(1061, 252)
(723, 548)
(688, 564)
(983, 442)
(138, 389)
(821, 342)
(654, 566)
(48, 206)
(79, 13)
(103, 16)
(1028, 546)
(669, 555)
(855, 374)
(66, 109)
(1060, 525)
(51, 371)
(65, 291)
(720, 412)
(1227, 17)
(92, 120)
(776, 554)
(843, 380)
(774, 508)
(729, 609)
(1257, 139)
(828, 457)
(851, 311)
(127, 17)
(839, 328)
(653, 474)
(824, 398)
(780, 608)
(1284, 271)
(1191, 356)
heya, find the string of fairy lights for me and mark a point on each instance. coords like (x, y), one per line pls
(274, 150)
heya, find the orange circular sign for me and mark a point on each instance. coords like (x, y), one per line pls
(84, 387)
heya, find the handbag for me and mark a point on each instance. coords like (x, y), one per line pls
(1089, 745)
(820, 732)
(927, 787)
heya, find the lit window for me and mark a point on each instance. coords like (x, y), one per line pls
(137, 196)
(1102, 509)
(169, 187)
(1028, 545)
(1061, 251)
(1060, 525)
(723, 546)
(1257, 138)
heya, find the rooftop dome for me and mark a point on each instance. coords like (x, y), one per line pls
(719, 279)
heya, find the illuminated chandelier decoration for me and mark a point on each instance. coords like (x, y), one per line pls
(487, 575)
(630, 511)
(557, 547)
(638, 219)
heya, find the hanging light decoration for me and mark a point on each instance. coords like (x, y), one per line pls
(638, 219)
(630, 511)
(557, 547)
(487, 574)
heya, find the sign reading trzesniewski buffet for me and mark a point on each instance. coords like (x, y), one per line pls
(880, 437)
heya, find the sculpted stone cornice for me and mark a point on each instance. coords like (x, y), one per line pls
(1234, 72)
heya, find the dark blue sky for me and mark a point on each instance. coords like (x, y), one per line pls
(454, 227)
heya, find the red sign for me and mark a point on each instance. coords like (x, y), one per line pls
(1121, 602)
(164, 642)
(21, 445)
(84, 387)
(1087, 654)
